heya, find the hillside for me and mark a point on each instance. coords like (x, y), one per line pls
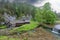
(38, 34)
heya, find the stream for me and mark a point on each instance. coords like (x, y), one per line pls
(54, 34)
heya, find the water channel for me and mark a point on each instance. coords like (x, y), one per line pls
(55, 31)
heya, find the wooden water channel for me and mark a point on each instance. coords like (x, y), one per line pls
(12, 25)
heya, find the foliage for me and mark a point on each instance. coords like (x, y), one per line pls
(45, 14)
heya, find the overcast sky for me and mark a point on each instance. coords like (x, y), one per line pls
(55, 4)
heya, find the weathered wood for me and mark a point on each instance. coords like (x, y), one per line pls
(16, 23)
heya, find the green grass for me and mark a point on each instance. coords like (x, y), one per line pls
(26, 27)
(2, 27)
(3, 37)
(8, 38)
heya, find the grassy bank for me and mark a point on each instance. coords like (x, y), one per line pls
(38, 34)
(2, 27)
(8, 38)
(25, 27)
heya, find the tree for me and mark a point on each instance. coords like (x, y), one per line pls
(46, 15)
(50, 16)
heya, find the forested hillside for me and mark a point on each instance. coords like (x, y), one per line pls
(37, 18)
